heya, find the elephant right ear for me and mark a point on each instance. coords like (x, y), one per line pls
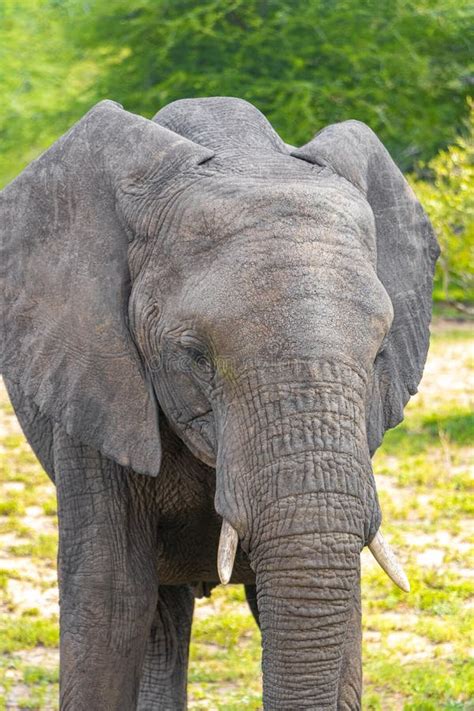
(66, 281)
(406, 255)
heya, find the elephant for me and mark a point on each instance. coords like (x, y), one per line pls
(206, 333)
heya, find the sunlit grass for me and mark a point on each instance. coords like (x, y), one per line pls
(27, 631)
(417, 648)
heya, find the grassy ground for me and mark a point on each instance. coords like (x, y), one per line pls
(418, 648)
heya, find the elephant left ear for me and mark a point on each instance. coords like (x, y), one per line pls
(66, 225)
(407, 251)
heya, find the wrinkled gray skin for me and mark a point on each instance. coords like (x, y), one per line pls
(201, 321)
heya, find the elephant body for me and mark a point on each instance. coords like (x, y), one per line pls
(203, 324)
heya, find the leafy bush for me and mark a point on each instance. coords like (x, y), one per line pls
(402, 66)
(447, 193)
(399, 65)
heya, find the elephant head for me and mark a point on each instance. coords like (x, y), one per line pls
(272, 303)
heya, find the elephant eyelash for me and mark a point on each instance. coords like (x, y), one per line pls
(198, 352)
(193, 344)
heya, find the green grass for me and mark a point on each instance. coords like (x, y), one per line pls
(27, 631)
(44, 546)
(416, 647)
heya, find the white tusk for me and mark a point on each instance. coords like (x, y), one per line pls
(387, 560)
(227, 549)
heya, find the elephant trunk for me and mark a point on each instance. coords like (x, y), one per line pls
(296, 484)
(307, 565)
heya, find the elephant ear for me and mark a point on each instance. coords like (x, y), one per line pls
(406, 255)
(65, 223)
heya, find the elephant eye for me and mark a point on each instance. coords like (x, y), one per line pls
(200, 359)
(196, 351)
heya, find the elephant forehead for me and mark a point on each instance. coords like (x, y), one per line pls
(299, 294)
(231, 215)
(302, 316)
(296, 278)
(275, 243)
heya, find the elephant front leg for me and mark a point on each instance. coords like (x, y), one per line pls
(107, 577)
(165, 670)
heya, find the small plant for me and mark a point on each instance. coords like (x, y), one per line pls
(446, 190)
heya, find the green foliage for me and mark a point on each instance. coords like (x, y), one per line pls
(41, 82)
(448, 197)
(400, 65)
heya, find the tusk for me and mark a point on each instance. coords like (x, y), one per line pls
(387, 560)
(227, 550)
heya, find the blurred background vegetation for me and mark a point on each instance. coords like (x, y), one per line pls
(402, 66)
(405, 68)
